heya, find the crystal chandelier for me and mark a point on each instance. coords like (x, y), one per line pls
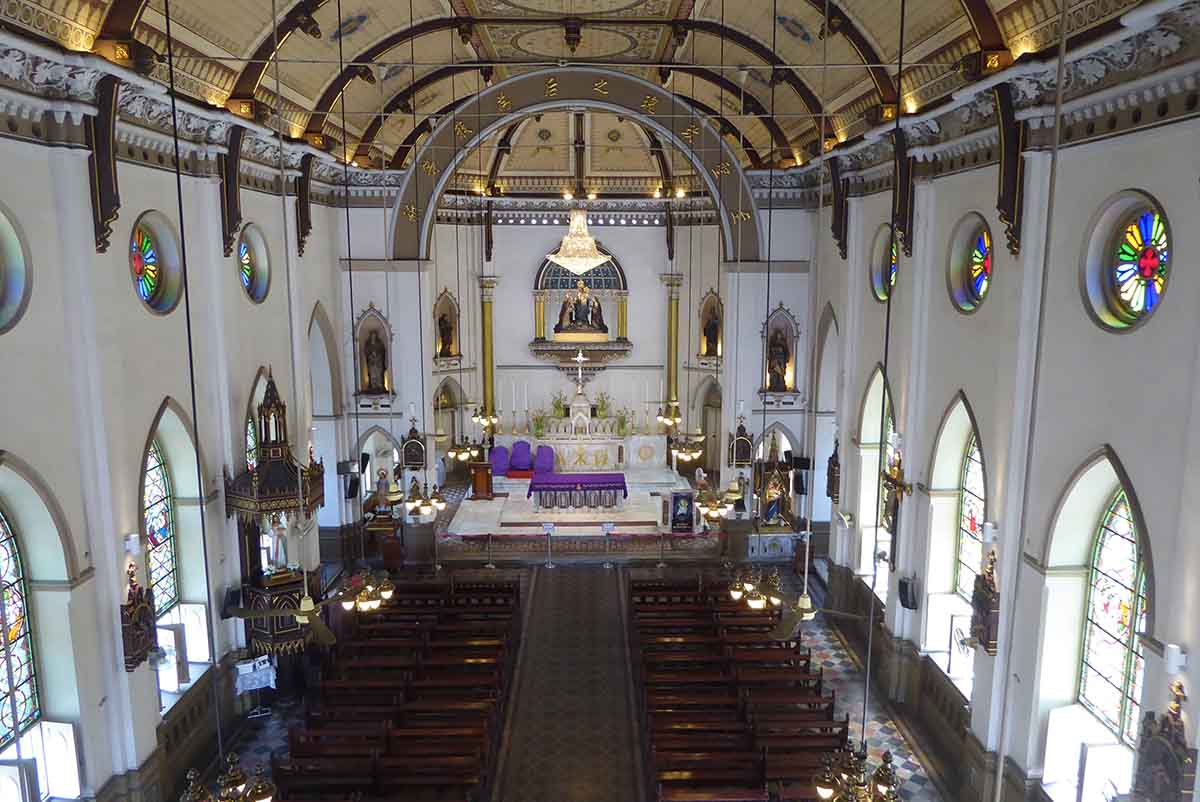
(578, 252)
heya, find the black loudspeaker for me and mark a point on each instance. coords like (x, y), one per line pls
(803, 463)
(787, 457)
(363, 460)
(233, 598)
(908, 592)
(798, 486)
(347, 467)
(352, 487)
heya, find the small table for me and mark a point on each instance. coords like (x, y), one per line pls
(577, 490)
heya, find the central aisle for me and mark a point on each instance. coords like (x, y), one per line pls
(571, 734)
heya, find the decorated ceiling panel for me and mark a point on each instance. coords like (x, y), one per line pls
(210, 20)
(922, 19)
(542, 147)
(617, 147)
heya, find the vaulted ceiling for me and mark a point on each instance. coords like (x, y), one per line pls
(371, 73)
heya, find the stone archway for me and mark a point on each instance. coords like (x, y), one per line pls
(548, 89)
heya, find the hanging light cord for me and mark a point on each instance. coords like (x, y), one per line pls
(187, 313)
(354, 355)
(767, 319)
(885, 404)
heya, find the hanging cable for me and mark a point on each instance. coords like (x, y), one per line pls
(763, 444)
(885, 404)
(191, 354)
(354, 357)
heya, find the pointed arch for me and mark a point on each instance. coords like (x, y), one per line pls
(1081, 504)
(172, 424)
(701, 392)
(450, 385)
(323, 325)
(878, 390)
(782, 429)
(361, 443)
(956, 428)
(827, 331)
(33, 508)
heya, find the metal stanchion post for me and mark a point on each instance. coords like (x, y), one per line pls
(662, 563)
(489, 564)
(549, 529)
(437, 564)
(607, 528)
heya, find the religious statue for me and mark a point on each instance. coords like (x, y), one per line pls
(580, 312)
(712, 333)
(381, 485)
(894, 488)
(375, 358)
(776, 494)
(445, 336)
(833, 476)
(778, 355)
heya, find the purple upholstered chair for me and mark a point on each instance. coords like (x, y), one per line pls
(544, 461)
(521, 459)
(499, 460)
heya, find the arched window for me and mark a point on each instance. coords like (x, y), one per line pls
(251, 444)
(971, 494)
(1110, 681)
(158, 513)
(889, 429)
(18, 696)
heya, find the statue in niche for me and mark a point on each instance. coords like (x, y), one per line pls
(445, 336)
(778, 355)
(580, 311)
(775, 491)
(712, 332)
(375, 358)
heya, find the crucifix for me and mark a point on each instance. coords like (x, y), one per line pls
(579, 359)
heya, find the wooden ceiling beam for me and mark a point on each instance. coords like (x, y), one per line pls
(750, 104)
(838, 22)
(121, 19)
(299, 17)
(503, 150)
(984, 23)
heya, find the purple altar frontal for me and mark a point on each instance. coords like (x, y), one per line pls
(577, 490)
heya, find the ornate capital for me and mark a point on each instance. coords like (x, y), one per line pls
(673, 282)
(487, 286)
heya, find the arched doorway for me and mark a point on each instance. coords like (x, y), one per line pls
(710, 422)
(447, 406)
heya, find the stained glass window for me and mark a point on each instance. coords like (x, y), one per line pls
(246, 265)
(1142, 262)
(889, 428)
(883, 276)
(1110, 683)
(158, 512)
(980, 269)
(971, 496)
(251, 444)
(22, 693)
(143, 263)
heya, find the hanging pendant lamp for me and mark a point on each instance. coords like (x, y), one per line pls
(577, 252)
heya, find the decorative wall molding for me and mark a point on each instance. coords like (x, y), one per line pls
(100, 130)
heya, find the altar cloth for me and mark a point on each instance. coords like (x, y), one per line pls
(550, 482)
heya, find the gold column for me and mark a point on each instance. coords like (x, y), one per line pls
(673, 282)
(623, 315)
(487, 284)
(539, 315)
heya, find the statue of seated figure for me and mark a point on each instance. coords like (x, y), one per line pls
(580, 311)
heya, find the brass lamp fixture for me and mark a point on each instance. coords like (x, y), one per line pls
(844, 778)
(711, 506)
(436, 499)
(232, 785)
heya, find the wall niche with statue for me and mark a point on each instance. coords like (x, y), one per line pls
(373, 339)
(711, 328)
(447, 343)
(781, 338)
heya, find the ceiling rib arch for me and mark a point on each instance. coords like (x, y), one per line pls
(838, 22)
(121, 19)
(626, 95)
(297, 17)
(401, 102)
(332, 90)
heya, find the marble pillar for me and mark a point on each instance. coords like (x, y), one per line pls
(487, 286)
(672, 282)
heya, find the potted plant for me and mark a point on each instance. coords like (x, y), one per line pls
(538, 416)
(603, 404)
(559, 401)
(623, 418)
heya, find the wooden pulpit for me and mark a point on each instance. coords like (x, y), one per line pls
(481, 480)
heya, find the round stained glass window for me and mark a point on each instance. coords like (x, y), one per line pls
(154, 263)
(15, 276)
(884, 265)
(143, 262)
(253, 265)
(1140, 265)
(970, 267)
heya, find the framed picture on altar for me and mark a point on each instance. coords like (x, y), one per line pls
(683, 512)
